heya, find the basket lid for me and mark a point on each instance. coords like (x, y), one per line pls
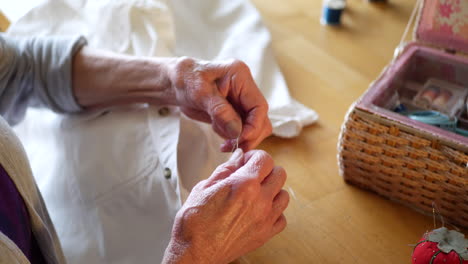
(444, 23)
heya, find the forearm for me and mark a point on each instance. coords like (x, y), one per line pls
(103, 79)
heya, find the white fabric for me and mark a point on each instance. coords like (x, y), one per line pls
(102, 174)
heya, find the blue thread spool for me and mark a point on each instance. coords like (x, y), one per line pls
(332, 10)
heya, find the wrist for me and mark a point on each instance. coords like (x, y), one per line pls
(181, 253)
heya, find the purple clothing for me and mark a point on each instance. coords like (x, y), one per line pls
(14, 219)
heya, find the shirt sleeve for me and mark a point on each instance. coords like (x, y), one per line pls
(37, 71)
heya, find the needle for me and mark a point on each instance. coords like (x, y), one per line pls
(236, 145)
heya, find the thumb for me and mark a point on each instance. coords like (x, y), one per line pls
(225, 120)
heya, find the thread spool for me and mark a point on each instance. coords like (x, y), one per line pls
(400, 108)
(332, 10)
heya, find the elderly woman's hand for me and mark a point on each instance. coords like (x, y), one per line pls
(235, 211)
(221, 93)
(225, 95)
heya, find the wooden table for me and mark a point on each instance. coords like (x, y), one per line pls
(327, 68)
(4, 23)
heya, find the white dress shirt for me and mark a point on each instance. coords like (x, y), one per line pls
(113, 181)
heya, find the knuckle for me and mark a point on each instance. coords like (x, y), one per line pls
(200, 185)
(266, 208)
(249, 188)
(280, 171)
(260, 160)
(225, 169)
(283, 174)
(202, 182)
(261, 154)
(185, 62)
(281, 201)
(239, 64)
(183, 65)
(258, 242)
(283, 222)
(285, 199)
(219, 109)
(189, 215)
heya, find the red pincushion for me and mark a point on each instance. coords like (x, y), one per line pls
(425, 250)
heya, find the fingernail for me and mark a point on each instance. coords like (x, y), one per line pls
(233, 129)
(236, 155)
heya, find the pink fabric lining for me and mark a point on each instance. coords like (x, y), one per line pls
(444, 23)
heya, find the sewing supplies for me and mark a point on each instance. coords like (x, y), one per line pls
(331, 12)
(436, 102)
(236, 144)
(434, 118)
(461, 131)
(400, 108)
(441, 246)
(395, 156)
(462, 126)
(429, 95)
(463, 121)
(442, 96)
(466, 105)
(442, 99)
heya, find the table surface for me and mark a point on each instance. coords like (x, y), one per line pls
(4, 23)
(327, 68)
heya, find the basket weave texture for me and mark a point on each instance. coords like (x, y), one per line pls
(405, 165)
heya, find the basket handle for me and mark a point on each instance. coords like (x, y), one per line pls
(413, 18)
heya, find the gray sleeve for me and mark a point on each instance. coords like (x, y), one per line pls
(37, 71)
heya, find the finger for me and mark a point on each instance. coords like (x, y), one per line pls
(272, 184)
(226, 169)
(248, 99)
(248, 144)
(228, 145)
(279, 225)
(254, 120)
(224, 119)
(245, 97)
(258, 165)
(280, 203)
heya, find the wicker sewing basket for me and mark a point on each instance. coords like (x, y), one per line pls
(406, 161)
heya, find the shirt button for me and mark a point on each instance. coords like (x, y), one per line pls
(167, 173)
(163, 111)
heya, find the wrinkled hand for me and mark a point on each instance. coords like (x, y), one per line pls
(225, 95)
(235, 211)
